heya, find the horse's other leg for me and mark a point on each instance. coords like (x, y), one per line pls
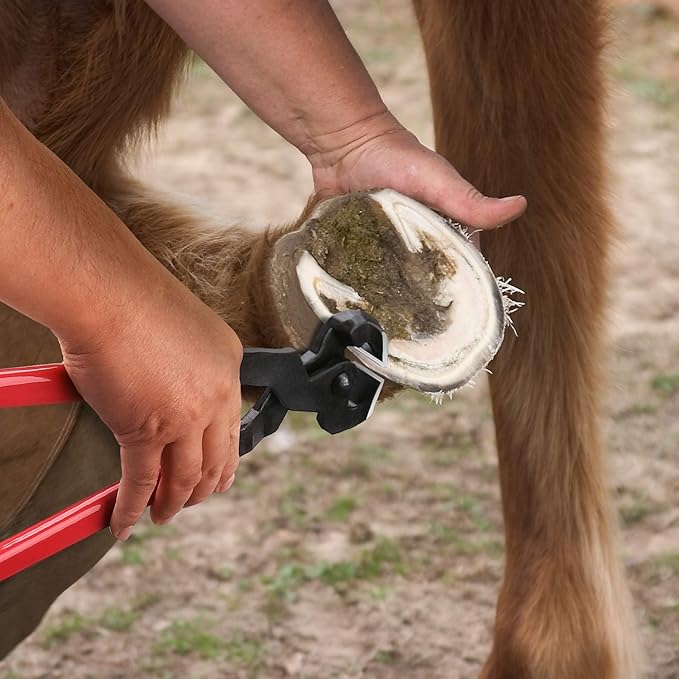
(518, 92)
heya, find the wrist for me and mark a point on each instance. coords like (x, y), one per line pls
(327, 149)
(119, 305)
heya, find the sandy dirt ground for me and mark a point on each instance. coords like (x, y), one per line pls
(379, 553)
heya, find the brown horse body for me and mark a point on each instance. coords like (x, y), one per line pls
(518, 91)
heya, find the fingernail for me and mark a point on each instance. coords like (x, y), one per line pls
(225, 486)
(123, 533)
(506, 200)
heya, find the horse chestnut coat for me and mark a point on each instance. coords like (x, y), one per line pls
(518, 90)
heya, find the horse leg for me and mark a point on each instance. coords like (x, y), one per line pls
(518, 90)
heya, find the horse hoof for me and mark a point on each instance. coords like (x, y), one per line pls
(440, 304)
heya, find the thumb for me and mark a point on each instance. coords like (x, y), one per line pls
(482, 212)
(455, 197)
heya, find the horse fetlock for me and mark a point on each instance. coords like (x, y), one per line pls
(566, 631)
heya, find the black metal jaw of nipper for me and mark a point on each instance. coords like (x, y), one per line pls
(320, 379)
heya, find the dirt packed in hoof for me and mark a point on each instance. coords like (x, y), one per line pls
(355, 243)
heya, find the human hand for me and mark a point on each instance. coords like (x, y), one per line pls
(164, 377)
(381, 153)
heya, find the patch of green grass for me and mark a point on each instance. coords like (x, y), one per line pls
(292, 505)
(445, 457)
(280, 588)
(194, 638)
(150, 531)
(132, 551)
(378, 55)
(69, 624)
(370, 564)
(360, 533)
(145, 601)
(362, 460)
(341, 508)
(245, 585)
(662, 92)
(471, 506)
(172, 554)
(372, 452)
(386, 657)
(302, 422)
(667, 384)
(445, 535)
(334, 573)
(131, 555)
(384, 555)
(244, 650)
(119, 619)
(222, 573)
(635, 511)
(658, 91)
(286, 579)
(356, 467)
(389, 492)
(443, 492)
(274, 607)
(636, 410)
(449, 578)
(654, 621)
(190, 637)
(669, 561)
(381, 593)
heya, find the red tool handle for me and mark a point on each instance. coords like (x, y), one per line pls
(56, 533)
(45, 385)
(36, 385)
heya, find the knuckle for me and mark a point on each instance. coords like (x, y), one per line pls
(193, 412)
(153, 429)
(125, 516)
(212, 473)
(186, 481)
(142, 482)
(474, 195)
(228, 393)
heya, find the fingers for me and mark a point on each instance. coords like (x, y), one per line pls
(219, 458)
(182, 464)
(140, 469)
(182, 474)
(229, 472)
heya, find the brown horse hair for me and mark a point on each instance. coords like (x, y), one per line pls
(518, 92)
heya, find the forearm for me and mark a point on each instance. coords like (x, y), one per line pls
(290, 62)
(66, 260)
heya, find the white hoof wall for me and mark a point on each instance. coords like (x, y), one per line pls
(467, 304)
